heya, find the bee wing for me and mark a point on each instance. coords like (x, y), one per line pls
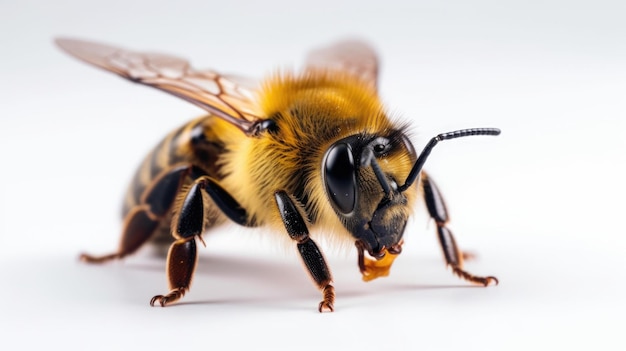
(220, 95)
(351, 56)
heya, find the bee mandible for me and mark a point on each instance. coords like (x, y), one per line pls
(310, 150)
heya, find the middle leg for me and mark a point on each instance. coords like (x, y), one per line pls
(191, 217)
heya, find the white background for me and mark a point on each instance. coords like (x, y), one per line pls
(542, 204)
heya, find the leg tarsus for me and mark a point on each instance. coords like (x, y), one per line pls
(87, 258)
(484, 281)
(328, 302)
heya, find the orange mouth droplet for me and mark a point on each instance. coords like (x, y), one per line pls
(377, 268)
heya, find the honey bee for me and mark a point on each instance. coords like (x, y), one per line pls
(311, 150)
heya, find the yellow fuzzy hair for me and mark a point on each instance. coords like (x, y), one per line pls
(312, 111)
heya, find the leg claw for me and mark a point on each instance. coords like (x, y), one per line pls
(329, 299)
(164, 300)
(326, 306)
(490, 279)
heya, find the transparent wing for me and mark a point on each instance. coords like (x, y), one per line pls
(220, 95)
(351, 56)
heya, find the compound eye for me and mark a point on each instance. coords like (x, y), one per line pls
(340, 178)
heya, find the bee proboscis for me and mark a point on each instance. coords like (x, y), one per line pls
(314, 149)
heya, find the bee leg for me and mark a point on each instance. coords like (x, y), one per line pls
(454, 257)
(143, 220)
(311, 254)
(188, 223)
(181, 263)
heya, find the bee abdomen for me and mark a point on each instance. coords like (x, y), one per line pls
(190, 144)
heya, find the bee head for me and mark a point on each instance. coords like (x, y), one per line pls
(366, 197)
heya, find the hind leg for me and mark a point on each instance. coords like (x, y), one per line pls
(453, 256)
(144, 219)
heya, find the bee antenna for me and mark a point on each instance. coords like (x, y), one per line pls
(368, 159)
(417, 167)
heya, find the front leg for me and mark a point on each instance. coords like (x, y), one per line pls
(311, 254)
(438, 211)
